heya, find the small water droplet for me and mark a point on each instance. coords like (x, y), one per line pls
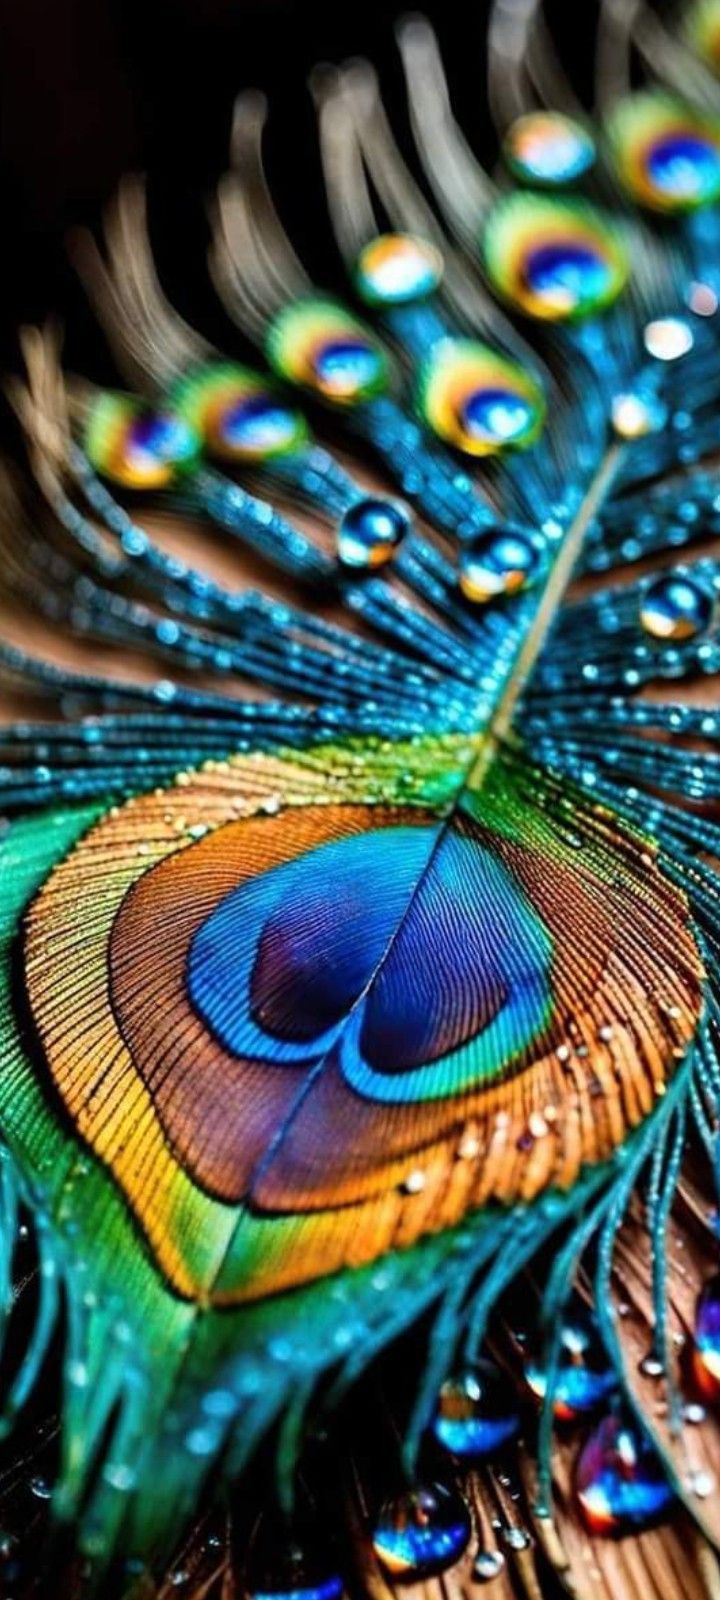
(701, 1484)
(488, 1564)
(516, 1538)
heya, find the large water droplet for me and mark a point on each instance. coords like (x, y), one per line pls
(421, 1531)
(476, 1412)
(619, 1479)
(583, 1377)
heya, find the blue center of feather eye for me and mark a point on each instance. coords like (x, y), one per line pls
(496, 415)
(567, 275)
(162, 437)
(685, 166)
(357, 947)
(346, 367)
(259, 423)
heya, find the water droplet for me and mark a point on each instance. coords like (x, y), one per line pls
(415, 1182)
(701, 1483)
(668, 338)
(705, 1360)
(488, 1564)
(370, 532)
(290, 1571)
(496, 565)
(583, 1376)
(397, 268)
(421, 1531)
(548, 148)
(476, 1412)
(651, 1366)
(619, 1479)
(516, 1538)
(675, 607)
(635, 415)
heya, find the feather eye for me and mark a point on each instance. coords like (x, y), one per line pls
(238, 413)
(667, 156)
(291, 914)
(134, 445)
(558, 260)
(548, 150)
(396, 269)
(477, 400)
(322, 347)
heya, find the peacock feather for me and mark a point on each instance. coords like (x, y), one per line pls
(360, 991)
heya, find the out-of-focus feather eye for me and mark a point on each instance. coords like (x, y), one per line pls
(548, 149)
(239, 414)
(703, 31)
(558, 260)
(667, 156)
(135, 446)
(477, 400)
(397, 268)
(320, 345)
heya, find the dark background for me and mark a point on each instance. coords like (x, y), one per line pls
(90, 88)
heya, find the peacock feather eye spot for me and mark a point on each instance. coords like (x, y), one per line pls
(322, 347)
(554, 259)
(496, 565)
(619, 1479)
(478, 401)
(667, 156)
(135, 446)
(548, 149)
(396, 269)
(238, 413)
(421, 1531)
(476, 1412)
(370, 533)
(675, 607)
